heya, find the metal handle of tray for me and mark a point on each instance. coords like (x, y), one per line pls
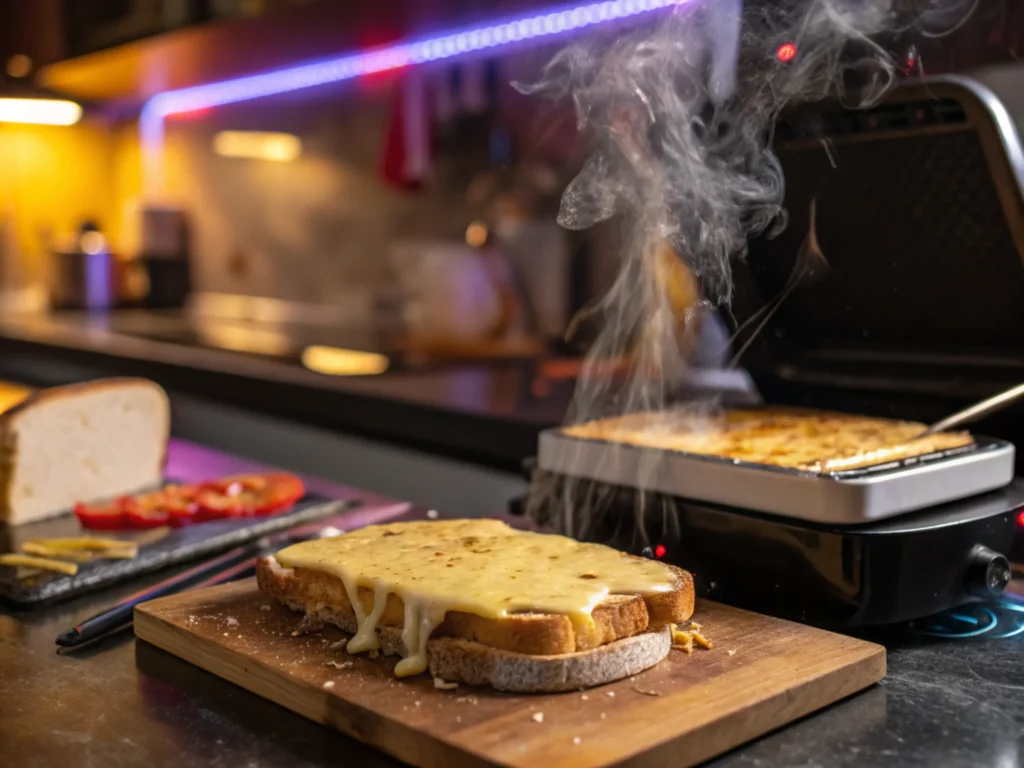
(978, 410)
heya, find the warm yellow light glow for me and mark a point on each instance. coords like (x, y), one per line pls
(476, 234)
(19, 66)
(92, 243)
(333, 361)
(257, 145)
(12, 394)
(39, 111)
(243, 338)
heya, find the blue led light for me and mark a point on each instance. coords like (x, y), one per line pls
(350, 66)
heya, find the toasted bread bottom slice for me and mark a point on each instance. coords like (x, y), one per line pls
(318, 593)
(457, 660)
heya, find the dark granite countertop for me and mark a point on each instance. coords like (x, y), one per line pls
(484, 412)
(124, 703)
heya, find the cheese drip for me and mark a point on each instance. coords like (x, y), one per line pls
(483, 567)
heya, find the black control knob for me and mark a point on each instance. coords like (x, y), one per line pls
(988, 573)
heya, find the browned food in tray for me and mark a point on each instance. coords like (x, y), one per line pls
(814, 441)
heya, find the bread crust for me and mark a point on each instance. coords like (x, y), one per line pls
(10, 416)
(317, 593)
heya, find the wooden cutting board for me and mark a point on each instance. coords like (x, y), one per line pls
(761, 674)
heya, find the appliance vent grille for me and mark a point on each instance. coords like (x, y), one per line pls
(885, 118)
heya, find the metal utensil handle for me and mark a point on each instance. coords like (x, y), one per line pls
(979, 410)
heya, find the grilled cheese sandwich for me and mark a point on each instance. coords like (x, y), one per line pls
(479, 600)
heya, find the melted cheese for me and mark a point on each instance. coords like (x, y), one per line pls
(483, 567)
(812, 441)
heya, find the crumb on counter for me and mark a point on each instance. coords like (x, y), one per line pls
(647, 692)
(702, 641)
(329, 684)
(444, 685)
(232, 622)
(537, 717)
(576, 739)
(265, 607)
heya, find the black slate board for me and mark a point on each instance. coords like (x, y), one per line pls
(158, 548)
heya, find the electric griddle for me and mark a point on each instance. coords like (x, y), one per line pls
(920, 215)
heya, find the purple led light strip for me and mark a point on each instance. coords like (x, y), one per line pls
(459, 43)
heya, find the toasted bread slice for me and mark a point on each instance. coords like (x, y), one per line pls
(521, 652)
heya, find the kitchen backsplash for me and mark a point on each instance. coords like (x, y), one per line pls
(318, 228)
(314, 229)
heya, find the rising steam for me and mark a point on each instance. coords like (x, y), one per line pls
(681, 116)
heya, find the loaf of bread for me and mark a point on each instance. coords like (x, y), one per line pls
(81, 443)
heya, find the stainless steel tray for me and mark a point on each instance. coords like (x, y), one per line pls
(848, 497)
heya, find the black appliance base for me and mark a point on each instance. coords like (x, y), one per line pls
(838, 577)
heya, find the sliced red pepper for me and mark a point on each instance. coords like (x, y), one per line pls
(100, 517)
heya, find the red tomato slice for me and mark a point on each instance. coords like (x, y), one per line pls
(179, 501)
(147, 511)
(283, 490)
(177, 505)
(212, 504)
(246, 495)
(138, 518)
(100, 517)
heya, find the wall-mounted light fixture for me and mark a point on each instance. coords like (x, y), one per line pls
(22, 102)
(37, 111)
(257, 145)
(457, 43)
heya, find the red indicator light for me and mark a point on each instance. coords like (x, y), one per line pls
(659, 551)
(1020, 518)
(786, 52)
